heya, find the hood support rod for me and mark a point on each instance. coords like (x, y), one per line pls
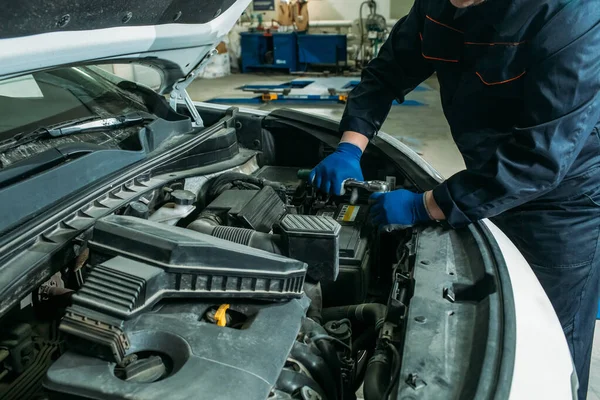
(179, 91)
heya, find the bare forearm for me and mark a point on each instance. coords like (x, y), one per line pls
(355, 138)
(432, 207)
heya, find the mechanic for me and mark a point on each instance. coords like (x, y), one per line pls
(520, 88)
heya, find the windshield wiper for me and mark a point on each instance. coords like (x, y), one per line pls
(44, 161)
(98, 125)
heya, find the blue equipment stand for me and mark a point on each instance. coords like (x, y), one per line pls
(262, 51)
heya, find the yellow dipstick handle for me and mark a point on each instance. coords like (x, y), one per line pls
(220, 315)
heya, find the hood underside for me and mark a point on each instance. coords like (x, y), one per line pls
(172, 35)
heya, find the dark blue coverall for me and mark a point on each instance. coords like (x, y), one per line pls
(520, 87)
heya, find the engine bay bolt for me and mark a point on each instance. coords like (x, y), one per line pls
(449, 295)
(309, 394)
(63, 21)
(415, 382)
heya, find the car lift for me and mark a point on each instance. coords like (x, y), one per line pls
(318, 91)
(299, 91)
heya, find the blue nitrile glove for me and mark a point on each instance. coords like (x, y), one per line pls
(344, 163)
(400, 207)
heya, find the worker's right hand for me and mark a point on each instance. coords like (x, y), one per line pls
(343, 164)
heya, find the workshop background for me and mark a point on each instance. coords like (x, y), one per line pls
(307, 55)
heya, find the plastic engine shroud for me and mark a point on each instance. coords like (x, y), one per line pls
(136, 262)
(208, 361)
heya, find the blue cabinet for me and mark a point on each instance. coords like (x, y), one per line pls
(286, 51)
(322, 49)
(291, 51)
(269, 51)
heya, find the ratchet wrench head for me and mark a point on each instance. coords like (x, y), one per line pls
(369, 186)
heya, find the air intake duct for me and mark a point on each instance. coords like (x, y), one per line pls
(308, 238)
(247, 237)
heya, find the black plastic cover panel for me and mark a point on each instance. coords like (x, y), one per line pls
(259, 210)
(263, 211)
(207, 362)
(135, 263)
(310, 225)
(455, 337)
(315, 240)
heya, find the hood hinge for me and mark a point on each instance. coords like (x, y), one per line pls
(179, 91)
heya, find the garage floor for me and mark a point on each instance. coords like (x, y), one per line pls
(422, 126)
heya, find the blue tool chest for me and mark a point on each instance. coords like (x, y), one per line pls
(269, 51)
(291, 52)
(322, 49)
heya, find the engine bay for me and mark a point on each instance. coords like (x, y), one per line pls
(246, 285)
(217, 271)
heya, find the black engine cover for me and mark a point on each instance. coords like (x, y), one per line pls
(204, 361)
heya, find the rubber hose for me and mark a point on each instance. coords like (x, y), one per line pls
(361, 369)
(366, 340)
(317, 367)
(221, 182)
(246, 237)
(377, 376)
(326, 349)
(369, 313)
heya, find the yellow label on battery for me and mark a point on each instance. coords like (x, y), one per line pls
(348, 213)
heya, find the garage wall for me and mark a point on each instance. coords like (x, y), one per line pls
(343, 9)
(348, 9)
(335, 10)
(400, 8)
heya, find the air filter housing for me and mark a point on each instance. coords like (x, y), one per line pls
(134, 263)
(314, 240)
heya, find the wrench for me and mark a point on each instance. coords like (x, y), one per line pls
(354, 185)
(369, 186)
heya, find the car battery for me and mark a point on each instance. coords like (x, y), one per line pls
(353, 279)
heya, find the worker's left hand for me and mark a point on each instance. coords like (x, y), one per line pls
(400, 207)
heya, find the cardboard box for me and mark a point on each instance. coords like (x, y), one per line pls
(284, 14)
(222, 48)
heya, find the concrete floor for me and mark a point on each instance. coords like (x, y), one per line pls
(424, 125)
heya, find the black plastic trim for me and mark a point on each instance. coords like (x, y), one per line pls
(460, 335)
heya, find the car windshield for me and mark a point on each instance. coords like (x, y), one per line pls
(56, 97)
(61, 97)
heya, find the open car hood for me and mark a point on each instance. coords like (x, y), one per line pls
(172, 35)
